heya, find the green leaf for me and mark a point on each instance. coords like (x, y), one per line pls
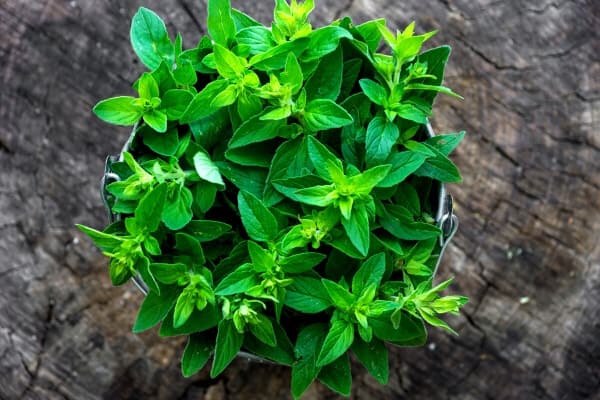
(302, 262)
(366, 181)
(229, 65)
(292, 75)
(206, 169)
(205, 194)
(370, 32)
(253, 155)
(440, 168)
(221, 25)
(305, 370)
(276, 57)
(340, 296)
(199, 321)
(283, 353)
(338, 340)
(319, 196)
(446, 143)
(147, 87)
(403, 164)
(370, 273)
(155, 308)
(357, 229)
(337, 376)
(196, 354)
(411, 112)
(168, 273)
(150, 39)
(122, 110)
(174, 102)
(326, 81)
(177, 212)
(374, 356)
(156, 120)
(307, 295)
(206, 230)
(200, 107)
(325, 162)
(258, 39)
(189, 251)
(374, 91)
(350, 74)
(105, 241)
(149, 210)
(239, 281)
(249, 179)
(435, 88)
(411, 331)
(324, 41)
(229, 343)
(255, 130)
(165, 144)
(226, 98)
(263, 331)
(323, 114)
(260, 224)
(381, 138)
(186, 302)
(147, 276)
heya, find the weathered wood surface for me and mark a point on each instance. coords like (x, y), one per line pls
(529, 206)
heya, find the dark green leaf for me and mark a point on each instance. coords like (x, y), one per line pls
(199, 321)
(370, 273)
(283, 353)
(260, 224)
(323, 114)
(403, 164)
(155, 308)
(238, 281)
(302, 262)
(307, 295)
(326, 81)
(305, 370)
(165, 144)
(337, 376)
(255, 130)
(374, 356)
(196, 354)
(229, 343)
(168, 273)
(206, 230)
(324, 41)
(177, 212)
(149, 210)
(263, 331)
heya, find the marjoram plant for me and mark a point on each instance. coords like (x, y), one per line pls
(276, 194)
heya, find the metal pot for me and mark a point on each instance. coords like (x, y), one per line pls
(445, 218)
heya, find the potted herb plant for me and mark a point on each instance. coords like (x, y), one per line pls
(282, 192)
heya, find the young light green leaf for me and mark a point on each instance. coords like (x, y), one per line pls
(122, 110)
(229, 65)
(156, 120)
(206, 169)
(186, 302)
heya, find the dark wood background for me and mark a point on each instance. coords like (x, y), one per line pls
(527, 252)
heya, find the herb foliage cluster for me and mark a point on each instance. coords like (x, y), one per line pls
(276, 196)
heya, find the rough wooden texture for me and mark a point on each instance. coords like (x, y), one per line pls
(529, 206)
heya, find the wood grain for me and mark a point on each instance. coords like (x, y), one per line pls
(527, 251)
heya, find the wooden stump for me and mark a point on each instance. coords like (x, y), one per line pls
(527, 251)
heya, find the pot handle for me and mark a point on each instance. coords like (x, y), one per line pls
(448, 223)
